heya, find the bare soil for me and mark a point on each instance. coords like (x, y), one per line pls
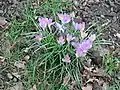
(101, 11)
(90, 11)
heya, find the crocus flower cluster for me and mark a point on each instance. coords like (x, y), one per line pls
(43, 22)
(79, 26)
(65, 18)
(69, 38)
(62, 39)
(81, 46)
(66, 59)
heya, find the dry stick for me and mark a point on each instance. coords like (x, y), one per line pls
(98, 75)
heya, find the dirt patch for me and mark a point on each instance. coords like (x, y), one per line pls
(91, 11)
(100, 11)
(9, 8)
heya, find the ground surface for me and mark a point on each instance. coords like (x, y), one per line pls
(101, 10)
(90, 11)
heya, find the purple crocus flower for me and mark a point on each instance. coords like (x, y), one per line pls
(83, 34)
(50, 22)
(92, 37)
(80, 52)
(60, 27)
(86, 44)
(82, 49)
(38, 37)
(69, 38)
(66, 59)
(61, 40)
(79, 26)
(65, 18)
(75, 44)
(43, 22)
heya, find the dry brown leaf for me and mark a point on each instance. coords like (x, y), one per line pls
(26, 50)
(66, 80)
(9, 75)
(89, 69)
(105, 86)
(34, 87)
(3, 22)
(1, 59)
(71, 85)
(16, 75)
(27, 57)
(103, 51)
(35, 5)
(96, 85)
(72, 14)
(18, 86)
(118, 35)
(88, 87)
(92, 79)
(20, 64)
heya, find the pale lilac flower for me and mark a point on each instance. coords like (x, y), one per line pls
(66, 59)
(61, 40)
(60, 27)
(80, 52)
(79, 26)
(82, 49)
(83, 34)
(92, 37)
(75, 44)
(65, 18)
(86, 44)
(69, 37)
(50, 22)
(38, 37)
(43, 22)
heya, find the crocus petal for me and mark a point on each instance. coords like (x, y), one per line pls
(86, 44)
(60, 16)
(69, 37)
(38, 37)
(64, 18)
(82, 49)
(60, 27)
(61, 40)
(66, 59)
(43, 22)
(83, 26)
(75, 44)
(92, 37)
(79, 26)
(49, 22)
(80, 52)
(83, 34)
